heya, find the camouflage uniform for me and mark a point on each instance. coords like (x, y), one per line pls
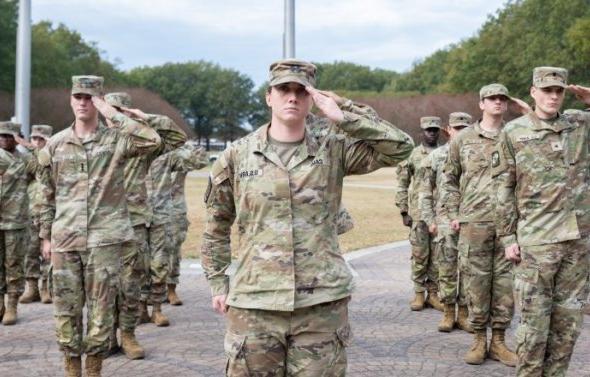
(84, 213)
(285, 294)
(161, 240)
(469, 196)
(424, 265)
(542, 172)
(35, 266)
(17, 171)
(451, 285)
(179, 225)
(136, 169)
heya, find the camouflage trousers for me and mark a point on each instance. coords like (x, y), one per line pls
(551, 286)
(488, 276)
(451, 283)
(424, 259)
(132, 271)
(12, 246)
(308, 341)
(156, 271)
(178, 232)
(35, 266)
(88, 277)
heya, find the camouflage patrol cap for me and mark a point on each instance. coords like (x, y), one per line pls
(42, 130)
(493, 90)
(91, 85)
(544, 77)
(459, 119)
(292, 70)
(9, 128)
(430, 122)
(118, 99)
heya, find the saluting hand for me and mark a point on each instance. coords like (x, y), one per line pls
(326, 104)
(521, 106)
(104, 108)
(581, 92)
(137, 113)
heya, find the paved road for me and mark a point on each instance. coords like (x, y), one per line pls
(389, 339)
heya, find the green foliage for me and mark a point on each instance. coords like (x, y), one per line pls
(59, 53)
(350, 76)
(214, 100)
(521, 36)
(8, 25)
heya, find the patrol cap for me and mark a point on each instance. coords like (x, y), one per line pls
(459, 119)
(292, 70)
(42, 130)
(118, 99)
(91, 85)
(493, 90)
(430, 122)
(9, 128)
(544, 77)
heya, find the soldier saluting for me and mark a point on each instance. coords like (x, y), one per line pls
(286, 305)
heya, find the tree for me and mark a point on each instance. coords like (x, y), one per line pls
(352, 77)
(8, 26)
(215, 101)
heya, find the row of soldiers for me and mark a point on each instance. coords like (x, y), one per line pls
(501, 211)
(107, 214)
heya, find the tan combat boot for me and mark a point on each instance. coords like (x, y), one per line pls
(9, 317)
(45, 294)
(434, 301)
(477, 353)
(131, 346)
(447, 322)
(93, 365)
(173, 298)
(31, 293)
(144, 316)
(158, 317)
(463, 319)
(417, 303)
(73, 365)
(499, 351)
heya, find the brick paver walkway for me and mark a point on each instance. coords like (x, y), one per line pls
(389, 339)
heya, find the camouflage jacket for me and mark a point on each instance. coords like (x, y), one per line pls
(288, 254)
(18, 170)
(83, 202)
(406, 198)
(467, 190)
(184, 159)
(429, 187)
(178, 199)
(542, 170)
(137, 168)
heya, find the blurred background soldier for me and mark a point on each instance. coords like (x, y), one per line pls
(424, 267)
(189, 157)
(451, 287)
(35, 266)
(132, 268)
(18, 170)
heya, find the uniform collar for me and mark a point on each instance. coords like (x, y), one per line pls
(557, 124)
(487, 134)
(71, 137)
(308, 148)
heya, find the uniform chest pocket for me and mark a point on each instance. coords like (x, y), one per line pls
(474, 157)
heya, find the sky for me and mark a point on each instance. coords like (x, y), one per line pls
(246, 35)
